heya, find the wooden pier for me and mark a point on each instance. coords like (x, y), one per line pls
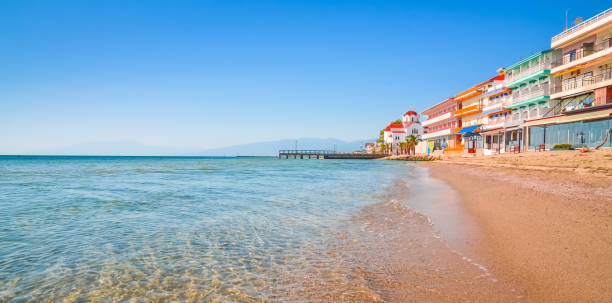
(323, 154)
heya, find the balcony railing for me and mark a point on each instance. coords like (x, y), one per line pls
(529, 93)
(505, 100)
(470, 110)
(524, 72)
(436, 119)
(582, 25)
(583, 82)
(583, 52)
(492, 106)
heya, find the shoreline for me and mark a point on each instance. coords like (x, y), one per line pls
(545, 233)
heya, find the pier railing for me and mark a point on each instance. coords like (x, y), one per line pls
(323, 154)
(306, 151)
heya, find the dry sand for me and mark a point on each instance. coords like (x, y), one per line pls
(546, 219)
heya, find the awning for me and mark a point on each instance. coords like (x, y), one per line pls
(493, 110)
(532, 101)
(498, 112)
(468, 129)
(568, 71)
(594, 62)
(541, 74)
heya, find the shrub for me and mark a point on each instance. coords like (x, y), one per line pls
(562, 146)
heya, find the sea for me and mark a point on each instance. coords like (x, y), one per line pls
(214, 229)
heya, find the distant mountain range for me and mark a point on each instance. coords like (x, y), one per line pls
(270, 148)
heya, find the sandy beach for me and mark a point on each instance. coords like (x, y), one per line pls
(546, 220)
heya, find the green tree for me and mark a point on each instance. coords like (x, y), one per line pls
(398, 121)
(381, 136)
(411, 142)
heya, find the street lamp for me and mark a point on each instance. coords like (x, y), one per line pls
(581, 135)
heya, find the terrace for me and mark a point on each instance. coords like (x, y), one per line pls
(470, 110)
(583, 55)
(529, 95)
(525, 72)
(585, 83)
(442, 117)
(498, 102)
(578, 29)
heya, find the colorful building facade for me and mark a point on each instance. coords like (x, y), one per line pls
(473, 102)
(559, 95)
(581, 86)
(530, 82)
(439, 128)
(495, 98)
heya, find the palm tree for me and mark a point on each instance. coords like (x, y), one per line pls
(411, 142)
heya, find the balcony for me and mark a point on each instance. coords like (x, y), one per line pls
(583, 55)
(470, 110)
(439, 118)
(579, 29)
(528, 96)
(513, 121)
(584, 84)
(443, 132)
(524, 74)
(494, 106)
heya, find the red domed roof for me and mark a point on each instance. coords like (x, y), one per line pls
(410, 113)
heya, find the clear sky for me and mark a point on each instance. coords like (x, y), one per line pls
(204, 74)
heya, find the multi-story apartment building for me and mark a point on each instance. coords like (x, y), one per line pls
(581, 86)
(530, 81)
(492, 131)
(473, 101)
(439, 128)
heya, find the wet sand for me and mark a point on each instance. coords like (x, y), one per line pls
(546, 228)
(411, 246)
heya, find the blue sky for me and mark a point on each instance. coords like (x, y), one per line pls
(204, 74)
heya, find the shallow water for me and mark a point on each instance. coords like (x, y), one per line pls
(78, 229)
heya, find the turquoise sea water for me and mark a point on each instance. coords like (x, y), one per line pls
(179, 229)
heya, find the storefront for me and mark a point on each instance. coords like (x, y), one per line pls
(513, 139)
(473, 143)
(579, 134)
(472, 139)
(493, 141)
(585, 127)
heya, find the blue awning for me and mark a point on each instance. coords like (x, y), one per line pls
(493, 91)
(493, 110)
(468, 129)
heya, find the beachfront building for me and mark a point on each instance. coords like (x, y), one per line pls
(370, 147)
(582, 87)
(530, 81)
(412, 125)
(495, 98)
(394, 134)
(472, 102)
(439, 127)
